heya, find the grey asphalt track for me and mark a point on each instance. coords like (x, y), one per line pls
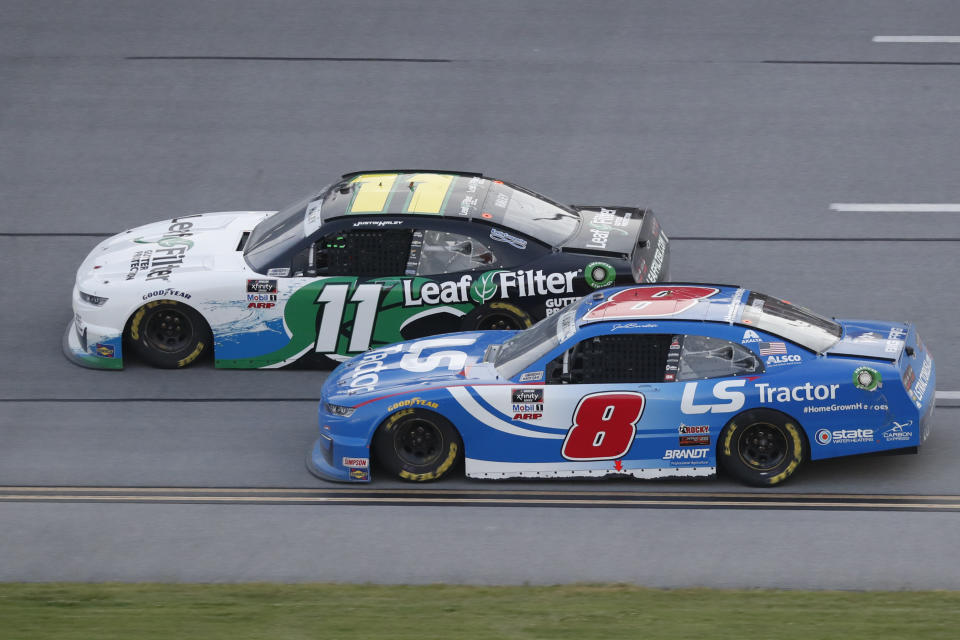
(738, 122)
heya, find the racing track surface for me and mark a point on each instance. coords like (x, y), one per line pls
(739, 122)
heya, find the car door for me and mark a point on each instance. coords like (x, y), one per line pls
(708, 379)
(607, 389)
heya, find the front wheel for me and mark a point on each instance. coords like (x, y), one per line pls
(761, 447)
(168, 334)
(417, 445)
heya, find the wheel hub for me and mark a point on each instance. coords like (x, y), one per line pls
(762, 446)
(169, 330)
(419, 442)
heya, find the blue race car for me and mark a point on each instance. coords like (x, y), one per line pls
(648, 381)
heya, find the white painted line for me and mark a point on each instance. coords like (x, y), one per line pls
(919, 39)
(896, 207)
(948, 395)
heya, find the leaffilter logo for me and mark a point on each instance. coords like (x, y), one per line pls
(167, 241)
(484, 287)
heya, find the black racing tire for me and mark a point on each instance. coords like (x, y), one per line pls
(168, 334)
(417, 445)
(762, 447)
(502, 316)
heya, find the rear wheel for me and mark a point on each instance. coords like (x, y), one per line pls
(168, 334)
(503, 316)
(761, 447)
(417, 445)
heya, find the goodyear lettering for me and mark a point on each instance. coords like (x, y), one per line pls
(413, 402)
(168, 293)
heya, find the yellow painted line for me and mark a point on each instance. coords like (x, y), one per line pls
(469, 501)
(373, 192)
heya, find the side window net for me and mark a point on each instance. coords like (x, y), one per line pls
(445, 252)
(704, 357)
(365, 253)
(612, 359)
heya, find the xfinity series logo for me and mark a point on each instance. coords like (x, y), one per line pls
(843, 436)
(261, 286)
(526, 395)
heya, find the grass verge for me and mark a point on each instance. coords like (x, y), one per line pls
(281, 611)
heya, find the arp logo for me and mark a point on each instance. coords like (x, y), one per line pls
(733, 400)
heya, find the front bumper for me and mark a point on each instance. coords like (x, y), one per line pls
(331, 459)
(92, 347)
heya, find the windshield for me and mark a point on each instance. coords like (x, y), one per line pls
(790, 321)
(276, 235)
(525, 347)
(530, 213)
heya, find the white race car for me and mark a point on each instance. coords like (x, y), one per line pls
(373, 259)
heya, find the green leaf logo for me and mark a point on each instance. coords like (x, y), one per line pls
(484, 287)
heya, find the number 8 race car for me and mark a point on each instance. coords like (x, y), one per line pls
(649, 381)
(370, 260)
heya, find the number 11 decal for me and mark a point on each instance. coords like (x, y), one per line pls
(604, 426)
(333, 297)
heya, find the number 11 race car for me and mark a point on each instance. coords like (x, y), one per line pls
(373, 259)
(648, 381)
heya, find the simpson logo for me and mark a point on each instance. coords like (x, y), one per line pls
(360, 463)
(694, 441)
(261, 286)
(526, 396)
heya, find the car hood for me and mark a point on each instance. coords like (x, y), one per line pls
(451, 359)
(161, 251)
(870, 339)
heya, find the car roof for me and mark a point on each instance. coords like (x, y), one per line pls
(455, 194)
(665, 301)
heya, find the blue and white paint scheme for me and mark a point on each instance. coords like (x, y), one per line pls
(678, 364)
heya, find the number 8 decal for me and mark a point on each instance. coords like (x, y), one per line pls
(604, 426)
